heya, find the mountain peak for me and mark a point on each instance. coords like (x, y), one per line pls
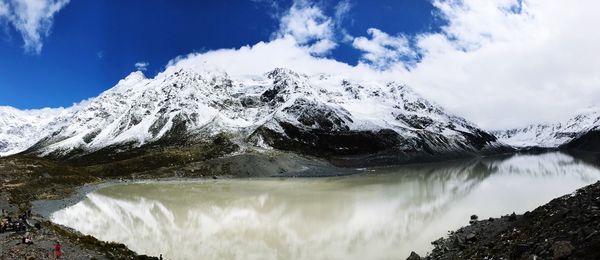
(281, 72)
(133, 78)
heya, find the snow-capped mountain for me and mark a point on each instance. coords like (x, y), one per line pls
(282, 109)
(552, 135)
(20, 129)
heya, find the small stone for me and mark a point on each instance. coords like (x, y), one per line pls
(473, 219)
(562, 212)
(512, 217)
(460, 240)
(414, 256)
(562, 249)
(593, 233)
(471, 237)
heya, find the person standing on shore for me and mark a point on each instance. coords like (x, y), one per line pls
(57, 250)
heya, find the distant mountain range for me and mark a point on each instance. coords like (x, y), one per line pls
(346, 121)
(20, 129)
(581, 132)
(329, 116)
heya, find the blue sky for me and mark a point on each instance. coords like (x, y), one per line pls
(92, 44)
(534, 60)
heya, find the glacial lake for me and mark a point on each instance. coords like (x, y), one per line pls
(382, 213)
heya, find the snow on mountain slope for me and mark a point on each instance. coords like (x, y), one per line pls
(369, 117)
(551, 135)
(20, 129)
(192, 103)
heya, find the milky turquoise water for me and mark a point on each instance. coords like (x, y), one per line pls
(380, 214)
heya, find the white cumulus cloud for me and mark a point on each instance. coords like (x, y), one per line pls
(278, 53)
(31, 18)
(508, 63)
(308, 25)
(499, 63)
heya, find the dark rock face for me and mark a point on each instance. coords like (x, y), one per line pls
(318, 116)
(270, 94)
(249, 102)
(347, 148)
(415, 121)
(566, 228)
(283, 81)
(479, 139)
(329, 143)
(89, 137)
(3, 145)
(589, 142)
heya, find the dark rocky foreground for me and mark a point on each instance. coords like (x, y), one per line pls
(566, 228)
(74, 245)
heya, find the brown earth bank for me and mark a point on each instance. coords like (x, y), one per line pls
(566, 228)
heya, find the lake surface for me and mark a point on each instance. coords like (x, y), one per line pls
(379, 214)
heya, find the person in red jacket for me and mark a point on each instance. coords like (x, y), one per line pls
(57, 250)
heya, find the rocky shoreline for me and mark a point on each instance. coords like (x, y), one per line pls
(567, 227)
(44, 234)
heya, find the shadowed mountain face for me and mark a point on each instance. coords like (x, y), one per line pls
(588, 141)
(322, 115)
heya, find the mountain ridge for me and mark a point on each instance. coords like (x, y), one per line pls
(557, 135)
(323, 115)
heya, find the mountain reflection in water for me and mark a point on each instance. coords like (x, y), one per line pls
(381, 214)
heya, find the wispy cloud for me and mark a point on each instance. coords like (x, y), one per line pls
(383, 50)
(342, 11)
(141, 66)
(274, 5)
(32, 19)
